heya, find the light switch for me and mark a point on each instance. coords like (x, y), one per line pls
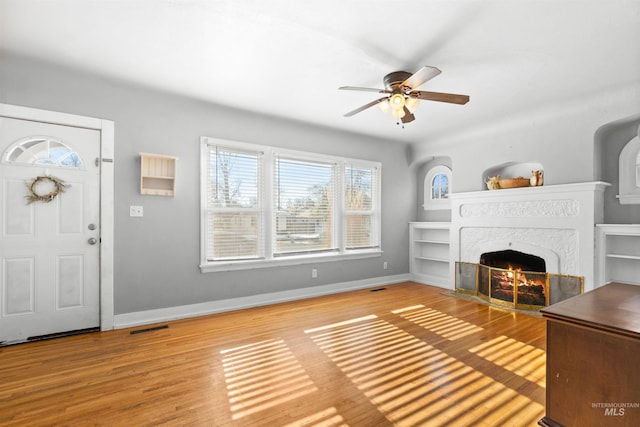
(135, 211)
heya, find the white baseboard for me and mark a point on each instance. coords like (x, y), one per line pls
(146, 317)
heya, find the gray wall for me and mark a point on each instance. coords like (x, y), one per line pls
(608, 142)
(575, 140)
(157, 256)
(560, 136)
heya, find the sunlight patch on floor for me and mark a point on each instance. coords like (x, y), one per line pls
(327, 418)
(263, 375)
(346, 322)
(410, 308)
(446, 326)
(413, 383)
(520, 358)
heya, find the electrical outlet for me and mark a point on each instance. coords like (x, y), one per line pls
(314, 273)
(135, 211)
(385, 265)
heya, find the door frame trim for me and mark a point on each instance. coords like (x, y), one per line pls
(106, 129)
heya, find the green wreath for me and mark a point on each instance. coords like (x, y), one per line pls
(34, 196)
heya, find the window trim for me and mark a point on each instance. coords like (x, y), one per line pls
(269, 260)
(429, 202)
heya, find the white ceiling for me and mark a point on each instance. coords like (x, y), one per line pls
(288, 57)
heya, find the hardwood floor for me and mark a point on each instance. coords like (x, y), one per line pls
(407, 355)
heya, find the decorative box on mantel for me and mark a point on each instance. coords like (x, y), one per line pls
(553, 222)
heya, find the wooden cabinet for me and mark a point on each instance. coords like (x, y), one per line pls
(593, 344)
(157, 174)
(617, 253)
(430, 258)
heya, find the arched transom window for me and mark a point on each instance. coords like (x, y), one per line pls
(42, 151)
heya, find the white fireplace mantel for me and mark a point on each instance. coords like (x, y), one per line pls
(555, 222)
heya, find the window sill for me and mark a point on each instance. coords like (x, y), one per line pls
(629, 199)
(212, 267)
(437, 205)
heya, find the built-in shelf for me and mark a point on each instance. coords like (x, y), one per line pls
(618, 253)
(437, 242)
(157, 174)
(429, 253)
(428, 258)
(623, 256)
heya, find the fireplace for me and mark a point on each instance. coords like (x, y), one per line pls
(546, 233)
(513, 277)
(515, 287)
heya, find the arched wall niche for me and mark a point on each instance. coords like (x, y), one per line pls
(629, 175)
(511, 170)
(610, 140)
(422, 172)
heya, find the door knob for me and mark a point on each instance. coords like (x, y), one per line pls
(92, 241)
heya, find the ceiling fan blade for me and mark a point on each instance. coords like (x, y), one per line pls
(364, 89)
(422, 75)
(451, 98)
(408, 116)
(364, 107)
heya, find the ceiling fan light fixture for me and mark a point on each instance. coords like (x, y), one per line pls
(412, 104)
(397, 101)
(384, 106)
(398, 114)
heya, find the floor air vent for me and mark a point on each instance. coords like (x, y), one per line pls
(378, 290)
(155, 328)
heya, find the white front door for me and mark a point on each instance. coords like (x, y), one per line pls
(49, 250)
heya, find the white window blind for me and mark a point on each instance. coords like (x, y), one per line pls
(361, 206)
(235, 216)
(304, 205)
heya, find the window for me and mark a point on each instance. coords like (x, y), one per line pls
(263, 206)
(629, 172)
(437, 184)
(440, 187)
(303, 205)
(234, 208)
(42, 151)
(361, 196)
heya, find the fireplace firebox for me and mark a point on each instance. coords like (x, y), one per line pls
(516, 280)
(510, 259)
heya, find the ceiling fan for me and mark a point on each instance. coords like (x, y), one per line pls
(401, 96)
